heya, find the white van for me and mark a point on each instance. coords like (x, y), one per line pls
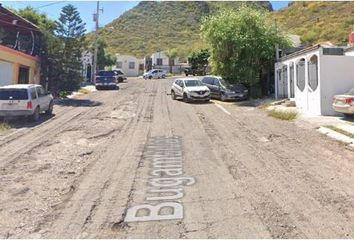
(25, 100)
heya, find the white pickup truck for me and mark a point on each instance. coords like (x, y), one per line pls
(25, 100)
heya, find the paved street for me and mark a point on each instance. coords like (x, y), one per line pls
(133, 163)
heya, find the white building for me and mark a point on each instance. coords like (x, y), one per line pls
(161, 61)
(87, 61)
(312, 76)
(130, 65)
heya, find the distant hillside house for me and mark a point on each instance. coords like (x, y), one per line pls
(312, 76)
(19, 49)
(130, 65)
(160, 60)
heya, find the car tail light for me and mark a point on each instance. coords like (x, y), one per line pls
(349, 101)
(29, 105)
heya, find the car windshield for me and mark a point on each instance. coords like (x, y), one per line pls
(106, 73)
(193, 83)
(14, 94)
(224, 82)
(119, 72)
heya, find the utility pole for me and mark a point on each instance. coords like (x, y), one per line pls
(96, 20)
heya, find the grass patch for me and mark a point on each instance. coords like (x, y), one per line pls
(84, 91)
(4, 127)
(348, 134)
(282, 115)
(64, 94)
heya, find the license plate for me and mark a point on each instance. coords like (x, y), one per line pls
(340, 102)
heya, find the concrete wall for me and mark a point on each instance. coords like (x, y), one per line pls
(337, 78)
(17, 59)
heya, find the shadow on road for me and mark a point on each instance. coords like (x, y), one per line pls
(23, 122)
(77, 103)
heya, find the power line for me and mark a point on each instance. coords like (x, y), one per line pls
(50, 4)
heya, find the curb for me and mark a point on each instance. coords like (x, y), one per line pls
(337, 136)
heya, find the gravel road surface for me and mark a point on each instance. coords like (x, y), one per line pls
(134, 163)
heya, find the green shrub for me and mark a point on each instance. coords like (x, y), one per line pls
(283, 115)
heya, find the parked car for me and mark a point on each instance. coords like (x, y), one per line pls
(344, 103)
(155, 73)
(106, 79)
(221, 89)
(25, 100)
(190, 89)
(120, 75)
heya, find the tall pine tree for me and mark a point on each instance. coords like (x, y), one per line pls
(70, 32)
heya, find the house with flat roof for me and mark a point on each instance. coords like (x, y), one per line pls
(19, 49)
(130, 65)
(312, 76)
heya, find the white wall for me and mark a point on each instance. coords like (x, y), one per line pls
(307, 101)
(125, 60)
(337, 78)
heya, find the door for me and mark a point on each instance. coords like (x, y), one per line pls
(179, 88)
(302, 92)
(292, 84)
(313, 98)
(23, 75)
(42, 98)
(5, 73)
(210, 83)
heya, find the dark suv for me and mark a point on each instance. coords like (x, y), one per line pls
(221, 89)
(106, 79)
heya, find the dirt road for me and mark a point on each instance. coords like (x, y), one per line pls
(133, 163)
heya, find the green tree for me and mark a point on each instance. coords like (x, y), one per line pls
(199, 59)
(49, 44)
(71, 33)
(103, 59)
(242, 42)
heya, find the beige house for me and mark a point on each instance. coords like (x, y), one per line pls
(130, 65)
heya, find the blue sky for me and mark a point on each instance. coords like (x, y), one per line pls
(111, 9)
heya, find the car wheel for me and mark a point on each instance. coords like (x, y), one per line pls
(185, 98)
(50, 109)
(150, 77)
(173, 95)
(186, 74)
(163, 76)
(35, 116)
(98, 88)
(222, 97)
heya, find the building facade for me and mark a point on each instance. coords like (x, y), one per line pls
(19, 49)
(312, 76)
(130, 65)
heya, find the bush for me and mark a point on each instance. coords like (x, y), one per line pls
(4, 126)
(283, 115)
(64, 94)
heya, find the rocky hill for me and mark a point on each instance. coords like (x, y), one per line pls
(160, 25)
(318, 22)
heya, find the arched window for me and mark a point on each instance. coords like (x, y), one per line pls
(300, 74)
(313, 72)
